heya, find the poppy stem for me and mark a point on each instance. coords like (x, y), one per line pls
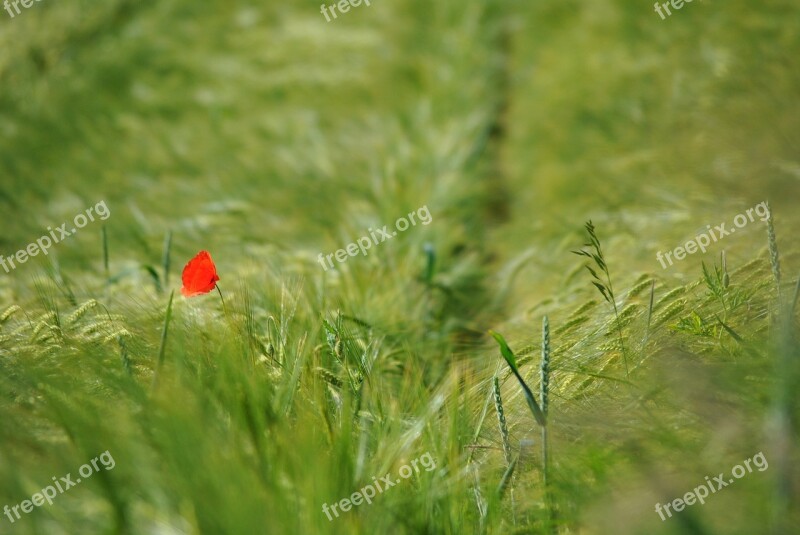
(227, 316)
(224, 309)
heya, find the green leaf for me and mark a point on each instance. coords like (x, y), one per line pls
(506, 351)
(508, 355)
(501, 488)
(599, 262)
(153, 275)
(732, 332)
(602, 290)
(328, 327)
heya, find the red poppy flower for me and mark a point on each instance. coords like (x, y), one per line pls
(199, 275)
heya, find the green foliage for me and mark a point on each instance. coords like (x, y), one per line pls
(268, 136)
(511, 360)
(162, 347)
(604, 286)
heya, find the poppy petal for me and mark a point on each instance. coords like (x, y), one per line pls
(199, 276)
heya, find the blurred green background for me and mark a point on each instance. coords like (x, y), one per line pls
(266, 135)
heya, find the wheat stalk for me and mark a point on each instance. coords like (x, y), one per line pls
(774, 258)
(501, 418)
(9, 312)
(605, 287)
(544, 372)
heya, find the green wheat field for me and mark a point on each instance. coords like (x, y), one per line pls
(523, 362)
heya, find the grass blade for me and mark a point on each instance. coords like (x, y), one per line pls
(501, 488)
(105, 251)
(508, 355)
(165, 257)
(163, 346)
